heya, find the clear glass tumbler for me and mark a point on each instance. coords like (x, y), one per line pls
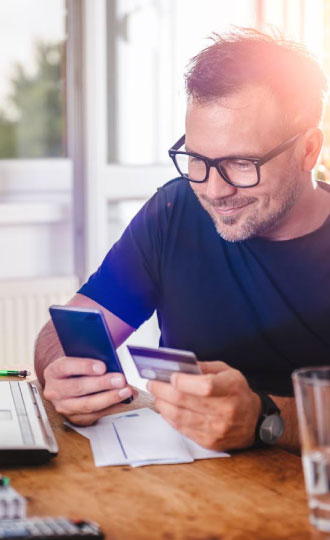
(312, 391)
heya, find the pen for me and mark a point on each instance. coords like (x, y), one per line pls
(4, 480)
(14, 373)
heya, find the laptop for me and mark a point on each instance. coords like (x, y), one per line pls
(26, 437)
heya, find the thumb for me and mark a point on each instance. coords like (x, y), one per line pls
(213, 367)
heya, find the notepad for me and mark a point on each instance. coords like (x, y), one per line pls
(140, 437)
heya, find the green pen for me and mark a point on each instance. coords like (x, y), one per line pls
(14, 373)
(4, 481)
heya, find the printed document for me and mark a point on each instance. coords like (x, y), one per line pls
(140, 437)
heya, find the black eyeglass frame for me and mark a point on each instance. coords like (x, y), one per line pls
(258, 162)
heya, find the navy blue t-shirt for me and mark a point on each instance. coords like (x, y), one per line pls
(261, 306)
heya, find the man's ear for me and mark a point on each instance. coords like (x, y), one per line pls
(311, 146)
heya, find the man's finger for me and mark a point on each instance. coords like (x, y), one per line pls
(67, 366)
(82, 386)
(213, 367)
(203, 439)
(190, 424)
(204, 385)
(166, 392)
(180, 418)
(89, 419)
(94, 403)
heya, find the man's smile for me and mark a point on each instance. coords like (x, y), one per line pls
(227, 211)
(229, 207)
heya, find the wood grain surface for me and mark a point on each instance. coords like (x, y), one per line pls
(255, 494)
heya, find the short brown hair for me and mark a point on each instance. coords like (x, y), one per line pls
(246, 56)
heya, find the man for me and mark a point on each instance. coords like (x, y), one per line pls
(234, 255)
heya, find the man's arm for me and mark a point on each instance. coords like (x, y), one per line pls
(85, 398)
(47, 349)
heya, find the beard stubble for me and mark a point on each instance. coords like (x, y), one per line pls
(255, 224)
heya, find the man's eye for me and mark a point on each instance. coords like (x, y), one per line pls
(240, 164)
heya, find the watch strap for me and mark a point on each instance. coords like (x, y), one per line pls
(268, 408)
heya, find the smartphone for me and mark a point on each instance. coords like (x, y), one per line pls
(83, 332)
(159, 364)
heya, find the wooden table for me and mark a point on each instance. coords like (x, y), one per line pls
(255, 494)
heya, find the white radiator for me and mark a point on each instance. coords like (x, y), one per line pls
(24, 310)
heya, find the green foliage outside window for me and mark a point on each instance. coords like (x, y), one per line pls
(32, 124)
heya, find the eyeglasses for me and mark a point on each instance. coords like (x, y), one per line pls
(243, 172)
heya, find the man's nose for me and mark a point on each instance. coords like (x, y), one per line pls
(217, 187)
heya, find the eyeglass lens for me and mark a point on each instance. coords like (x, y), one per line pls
(239, 171)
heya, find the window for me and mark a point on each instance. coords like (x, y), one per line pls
(32, 74)
(35, 174)
(149, 45)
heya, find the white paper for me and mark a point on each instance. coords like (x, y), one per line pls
(198, 452)
(105, 447)
(140, 437)
(148, 436)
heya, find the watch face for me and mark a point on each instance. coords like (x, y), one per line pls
(271, 428)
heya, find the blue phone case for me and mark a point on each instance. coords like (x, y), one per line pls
(83, 332)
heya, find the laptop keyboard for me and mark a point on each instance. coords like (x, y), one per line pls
(23, 419)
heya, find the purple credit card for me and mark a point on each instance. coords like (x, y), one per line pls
(159, 364)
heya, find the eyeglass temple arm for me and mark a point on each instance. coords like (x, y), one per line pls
(179, 143)
(275, 152)
(279, 149)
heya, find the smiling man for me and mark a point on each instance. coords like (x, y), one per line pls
(234, 255)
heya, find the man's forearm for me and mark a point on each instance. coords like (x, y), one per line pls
(47, 349)
(290, 438)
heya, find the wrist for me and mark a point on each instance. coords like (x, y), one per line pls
(258, 412)
(258, 406)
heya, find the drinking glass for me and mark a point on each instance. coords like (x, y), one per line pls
(312, 392)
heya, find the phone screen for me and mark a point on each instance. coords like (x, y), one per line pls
(84, 333)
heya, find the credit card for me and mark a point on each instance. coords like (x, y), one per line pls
(159, 364)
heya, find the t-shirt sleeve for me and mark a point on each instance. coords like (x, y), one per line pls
(128, 281)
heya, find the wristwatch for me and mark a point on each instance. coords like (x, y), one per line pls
(270, 425)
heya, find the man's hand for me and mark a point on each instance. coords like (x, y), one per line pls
(218, 409)
(80, 389)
